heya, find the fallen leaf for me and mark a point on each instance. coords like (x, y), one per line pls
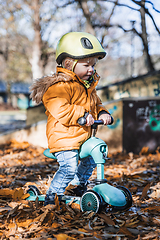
(107, 219)
(64, 237)
(125, 231)
(145, 190)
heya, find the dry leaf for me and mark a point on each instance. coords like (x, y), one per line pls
(64, 237)
(107, 219)
(145, 190)
(56, 225)
(125, 231)
(75, 206)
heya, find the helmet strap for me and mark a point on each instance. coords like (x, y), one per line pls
(69, 63)
(74, 64)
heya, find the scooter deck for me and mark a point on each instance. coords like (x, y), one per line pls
(41, 198)
(66, 199)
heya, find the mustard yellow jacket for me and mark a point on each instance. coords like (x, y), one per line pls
(66, 99)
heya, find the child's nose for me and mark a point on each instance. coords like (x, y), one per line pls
(91, 69)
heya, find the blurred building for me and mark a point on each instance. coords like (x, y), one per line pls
(147, 85)
(3, 91)
(135, 105)
(19, 93)
(16, 94)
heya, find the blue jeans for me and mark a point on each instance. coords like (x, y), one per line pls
(70, 172)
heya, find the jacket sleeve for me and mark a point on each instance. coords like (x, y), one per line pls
(57, 100)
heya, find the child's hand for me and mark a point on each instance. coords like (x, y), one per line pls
(106, 118)
(90, 120)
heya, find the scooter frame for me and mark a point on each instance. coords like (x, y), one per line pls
(103, 194)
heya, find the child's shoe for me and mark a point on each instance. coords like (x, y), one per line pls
(50, 199)
(76, 190)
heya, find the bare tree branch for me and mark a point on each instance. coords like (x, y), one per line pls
(108, 20)
(153, 6)
(147, 12)
(83, 5)
(66, 4)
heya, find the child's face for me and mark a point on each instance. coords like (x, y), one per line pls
(85, 68)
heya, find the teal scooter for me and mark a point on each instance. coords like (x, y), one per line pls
(103, 195)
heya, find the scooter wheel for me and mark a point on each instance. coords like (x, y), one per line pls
(128, 196)
(90, 201)
(33, 190)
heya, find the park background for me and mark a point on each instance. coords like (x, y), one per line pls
(130, 77)
(129, 87)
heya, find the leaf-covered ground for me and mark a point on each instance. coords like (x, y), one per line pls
(22, 164)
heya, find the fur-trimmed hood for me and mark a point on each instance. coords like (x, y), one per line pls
(40, 85)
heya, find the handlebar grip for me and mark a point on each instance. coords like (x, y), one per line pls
(82, 121)
(112, 120)
(98, 122)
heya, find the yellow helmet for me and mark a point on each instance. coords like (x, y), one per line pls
(78, 45)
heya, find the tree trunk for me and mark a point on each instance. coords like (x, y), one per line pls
(148, 60)
(37, 68)
(84, 7)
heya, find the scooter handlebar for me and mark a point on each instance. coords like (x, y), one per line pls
(82, 121)
(98, 122)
